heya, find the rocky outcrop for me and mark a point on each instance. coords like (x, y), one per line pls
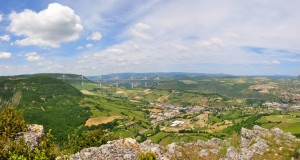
(123, 149)
(257, 141)
(33, 135)
(252, 143)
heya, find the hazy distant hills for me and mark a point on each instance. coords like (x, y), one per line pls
(126, 76)
(51, 75)
(173, 75)
(155, 75)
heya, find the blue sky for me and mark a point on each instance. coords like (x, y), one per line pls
(93, 37)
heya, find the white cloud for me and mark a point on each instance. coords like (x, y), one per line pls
(115, 51)
(33, 56)
(272, 62)
(79, 47)
(49, 27)
(179, 47)
(139, 31)
(200, 36)
(5, 38)
(212, 43)
(89, 45)
(5, 55)
(275, 62)
(1, 17)
(95, 36)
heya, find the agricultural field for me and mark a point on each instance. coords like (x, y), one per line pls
(174, 110)
(288, 123)
(225, 105)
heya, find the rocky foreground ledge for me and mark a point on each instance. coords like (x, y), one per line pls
(258, 143)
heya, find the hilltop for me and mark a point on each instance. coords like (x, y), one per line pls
(47, 101)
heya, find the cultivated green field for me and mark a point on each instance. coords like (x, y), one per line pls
(227, 105)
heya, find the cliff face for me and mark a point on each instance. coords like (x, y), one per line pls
(251, 144)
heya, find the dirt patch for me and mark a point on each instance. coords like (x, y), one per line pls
(87, 92)
(263, 88)
(163, 98)
(100, 120)
(202, 119)
(147, 91)
(188, 82)
(240, 80)
(120, 92)
(134, 101)
(219, 126)
(155, 110)
(138, 97)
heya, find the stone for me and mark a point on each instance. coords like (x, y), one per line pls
(247, 133)
(244, 142)
(214, 151)
(214, 142)
(204, 152)
(232, 154)
(246, 154)
(171, 148)
(33, 135)
(252, 143)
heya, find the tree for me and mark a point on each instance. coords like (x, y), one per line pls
(13, 146)
(11, 122)
(157, 128)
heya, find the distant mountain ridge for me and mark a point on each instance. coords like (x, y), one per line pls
(128, 75)
(153, 75)
(68, 76)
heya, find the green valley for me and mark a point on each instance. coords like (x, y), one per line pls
(177, 109)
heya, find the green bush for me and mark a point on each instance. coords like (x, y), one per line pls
(93, 138)
(296, 152)
(147, 156)
(12, 123)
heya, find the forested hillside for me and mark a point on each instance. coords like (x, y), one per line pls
(46, 101)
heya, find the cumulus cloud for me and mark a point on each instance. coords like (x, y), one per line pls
(5, 55)
(89, 45)
(33, 56)
(199, 36)
(49, 27)
(95, 36)
(5, 38)
(1, 17)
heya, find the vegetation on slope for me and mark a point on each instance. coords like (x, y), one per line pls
(12, 123)
(46, 101)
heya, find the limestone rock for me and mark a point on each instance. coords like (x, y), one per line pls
(126, 149)
(231, 154)
(33, 135)
(204, 152)
(252, 143)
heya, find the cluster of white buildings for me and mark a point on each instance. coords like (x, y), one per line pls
(176, 123)
(170, 111)
(168, 114)
(280, 106)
